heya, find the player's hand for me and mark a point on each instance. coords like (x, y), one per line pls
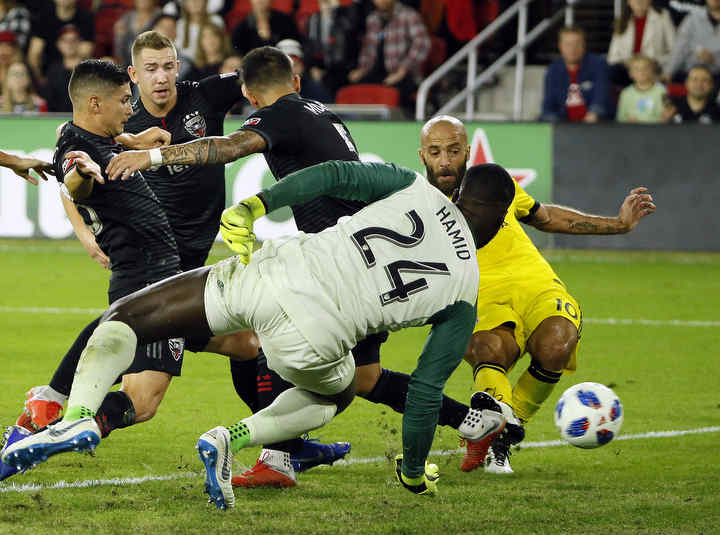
(636, 206)
(149, 138)
(427, 486)
(236, 226)
(22, 167)
(93, 249)
(86, 165)
(126, 163)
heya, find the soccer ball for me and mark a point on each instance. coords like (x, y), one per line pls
(588, 415)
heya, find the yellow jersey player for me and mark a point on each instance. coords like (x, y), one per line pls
(523, 306)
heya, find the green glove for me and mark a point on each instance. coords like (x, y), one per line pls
(425, 484)
(236, 226)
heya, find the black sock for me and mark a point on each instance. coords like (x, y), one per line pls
(391, 390)
(244, 376)
(117, 411)
(63, 378)
(270, 385)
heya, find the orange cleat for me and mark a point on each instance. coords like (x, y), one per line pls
(265, 475)
(39, 410)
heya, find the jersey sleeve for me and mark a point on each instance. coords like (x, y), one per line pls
(221, 91)
(524, 205)
(273, 127)
(356, 181)
(442, 354)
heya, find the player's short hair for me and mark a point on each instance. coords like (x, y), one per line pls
(152, 40)
(489, 182)
(265, 67)
(96, 75)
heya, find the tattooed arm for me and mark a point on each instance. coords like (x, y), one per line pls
(563, 220)
(217, 149)
(204, 151)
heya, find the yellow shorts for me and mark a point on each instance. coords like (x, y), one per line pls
(527, 305)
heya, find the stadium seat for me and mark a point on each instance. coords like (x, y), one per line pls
(239, 11)
(105, 17)
(368, 94)
(286, 6)
(676, 90)
(437, 55)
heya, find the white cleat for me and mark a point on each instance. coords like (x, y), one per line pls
(214, 451)
(77, 435)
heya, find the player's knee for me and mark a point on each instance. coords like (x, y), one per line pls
(366, 377)
(112, 338)
(554, 354)
(486, 346)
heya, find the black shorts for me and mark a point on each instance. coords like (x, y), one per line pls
(367, 351)
(163, 356)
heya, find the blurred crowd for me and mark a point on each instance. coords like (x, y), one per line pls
(654, 71)
(660, 66)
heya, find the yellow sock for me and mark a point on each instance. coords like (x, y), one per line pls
(532, 389)
(492, 378)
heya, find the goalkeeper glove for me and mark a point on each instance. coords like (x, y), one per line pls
(236, 226)
(426, 484)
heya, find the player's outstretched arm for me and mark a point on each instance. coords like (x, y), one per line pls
(564, 220)
(205, 151)
(22, 167)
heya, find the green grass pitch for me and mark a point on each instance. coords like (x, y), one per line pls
(651, 332)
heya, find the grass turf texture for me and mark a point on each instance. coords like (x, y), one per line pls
(667, 377)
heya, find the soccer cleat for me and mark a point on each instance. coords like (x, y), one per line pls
(482, 424)
(11, 435)
(497, 460)
(77, 435)
(273, 469)
(43, 406)
(314, 453)
(214, 451)
(428, 486)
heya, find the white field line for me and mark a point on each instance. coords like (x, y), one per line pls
(33, 487)
(598, 321)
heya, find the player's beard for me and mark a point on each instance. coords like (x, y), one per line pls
(442, 180)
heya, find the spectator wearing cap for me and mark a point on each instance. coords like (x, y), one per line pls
(9, 53)
(56, 88)
(333, 43)
(16, 19)
(395, 46)
(18, 93)
(309, 88)
(43, 51)
(262, 27)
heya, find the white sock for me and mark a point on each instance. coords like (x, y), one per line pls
(293, 413)
(109, 352)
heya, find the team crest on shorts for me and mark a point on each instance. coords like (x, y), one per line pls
(195, 124)
(176, 346)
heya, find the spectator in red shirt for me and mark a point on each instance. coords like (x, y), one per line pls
(641, 29)
(576, 85)
(19, 95)
(395, 46)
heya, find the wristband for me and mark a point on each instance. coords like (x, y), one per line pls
(155, 157)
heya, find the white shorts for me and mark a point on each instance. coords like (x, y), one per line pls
(237, 298)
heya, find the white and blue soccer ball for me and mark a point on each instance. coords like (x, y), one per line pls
(588, 415)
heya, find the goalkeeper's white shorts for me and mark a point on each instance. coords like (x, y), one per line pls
(237, 298)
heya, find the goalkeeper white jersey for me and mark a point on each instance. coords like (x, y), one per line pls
(394, 264)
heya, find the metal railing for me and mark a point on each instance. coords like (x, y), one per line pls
(470, 52)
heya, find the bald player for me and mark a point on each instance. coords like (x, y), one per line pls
(523, 306)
